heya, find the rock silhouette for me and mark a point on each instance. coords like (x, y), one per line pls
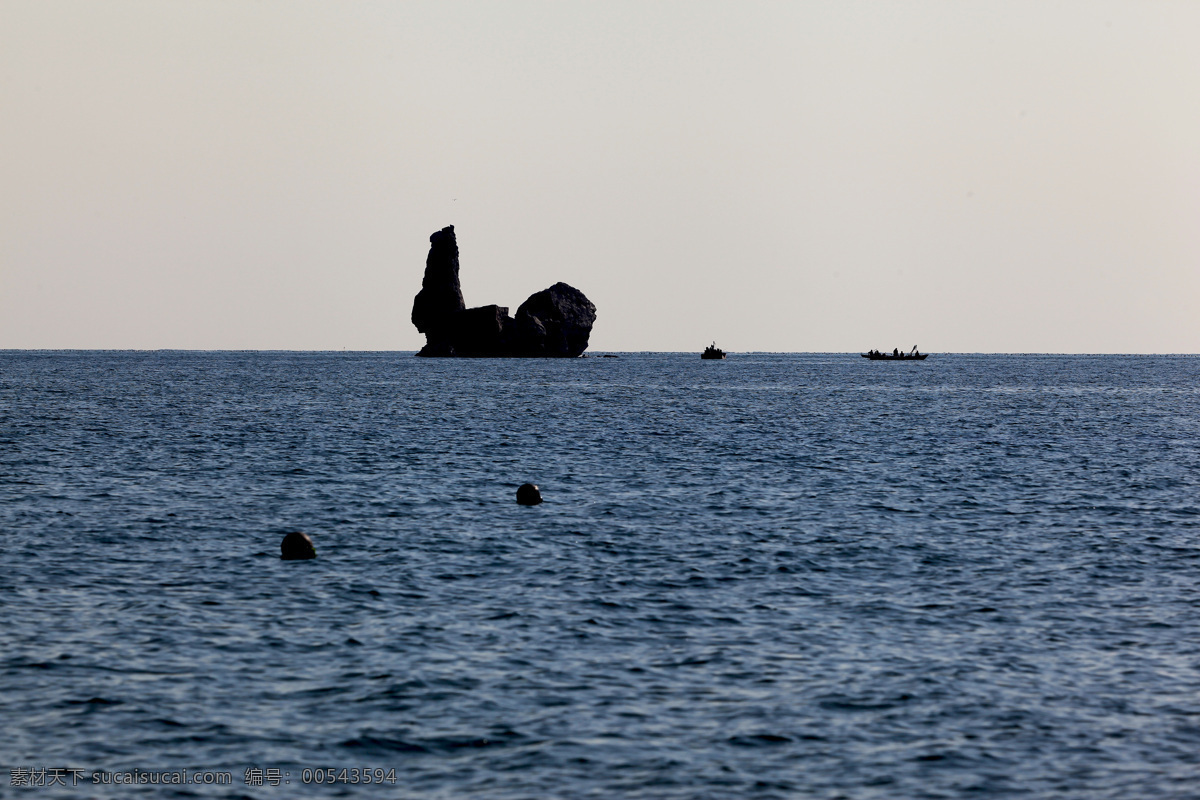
(528, 494)
(552, 323)
(296, 546)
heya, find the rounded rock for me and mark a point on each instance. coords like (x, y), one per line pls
(528, 494)
(296, 546)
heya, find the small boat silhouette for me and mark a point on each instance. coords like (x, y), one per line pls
(895, 355)
(712, 351)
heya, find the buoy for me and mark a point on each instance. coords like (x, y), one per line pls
(296, 546)
(528, 494)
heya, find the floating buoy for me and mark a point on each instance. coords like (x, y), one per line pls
(296, 546)
(528, 494)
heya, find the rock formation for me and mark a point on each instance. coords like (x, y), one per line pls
(297, 546)
(440, 299)
(528, 494)
(553, 323)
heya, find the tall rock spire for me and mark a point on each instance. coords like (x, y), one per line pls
(440, 297)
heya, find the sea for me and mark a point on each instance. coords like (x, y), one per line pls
(773, 576)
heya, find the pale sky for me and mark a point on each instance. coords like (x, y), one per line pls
(786, 176)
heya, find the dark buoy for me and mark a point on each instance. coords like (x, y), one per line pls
(528, 494)
(296, 546)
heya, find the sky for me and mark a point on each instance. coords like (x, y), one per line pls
(775, 176)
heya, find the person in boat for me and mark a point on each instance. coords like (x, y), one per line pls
(896, 351)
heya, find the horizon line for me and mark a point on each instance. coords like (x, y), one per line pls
(553, 358)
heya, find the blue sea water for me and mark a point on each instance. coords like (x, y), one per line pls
(775, 576)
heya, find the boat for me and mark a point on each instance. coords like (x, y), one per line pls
(712, 351)
(895, 355)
